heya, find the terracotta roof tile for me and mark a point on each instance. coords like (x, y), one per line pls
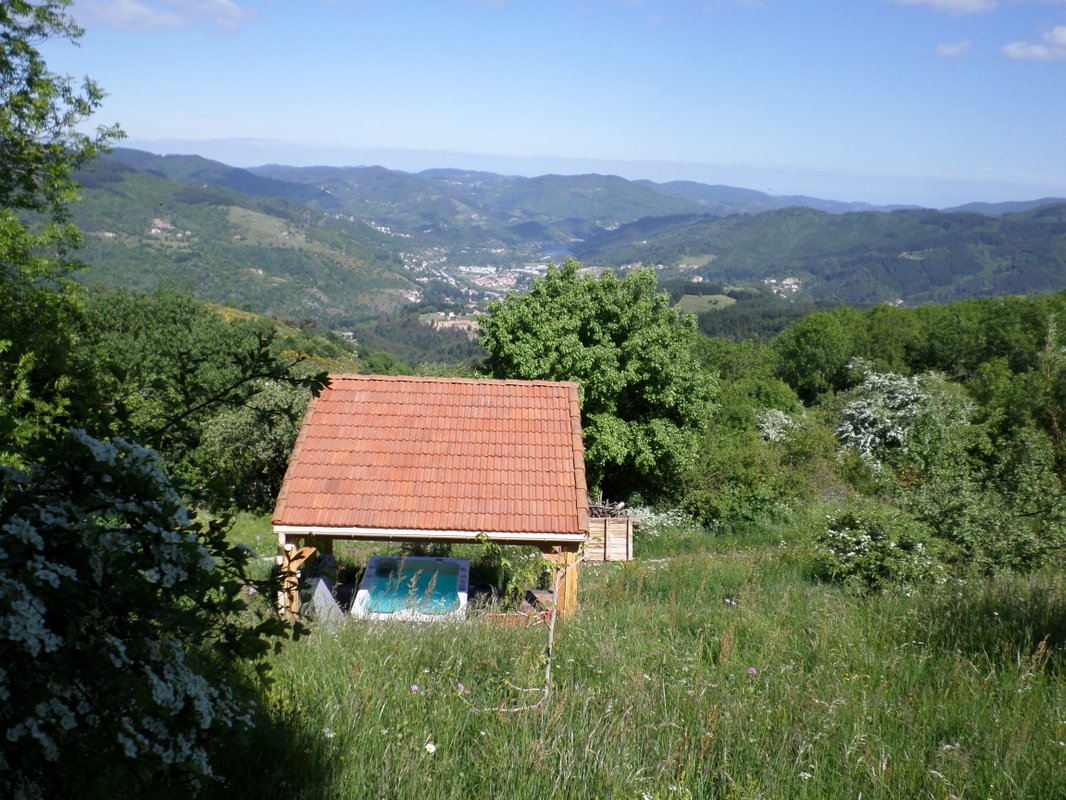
(439, 454)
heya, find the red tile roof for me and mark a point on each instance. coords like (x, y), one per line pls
(448, 454)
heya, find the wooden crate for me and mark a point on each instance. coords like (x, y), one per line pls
(610, 539)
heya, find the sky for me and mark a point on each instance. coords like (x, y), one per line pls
(929, 102)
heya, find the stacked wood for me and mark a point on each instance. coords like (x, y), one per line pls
(604, 508)
(610, 539)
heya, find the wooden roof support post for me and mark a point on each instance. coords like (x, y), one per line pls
(290, 560)
(563, 558)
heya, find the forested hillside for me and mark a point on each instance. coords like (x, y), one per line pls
(917, 256)
(267, 254)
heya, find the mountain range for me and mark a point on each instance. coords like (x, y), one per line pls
(338, 244)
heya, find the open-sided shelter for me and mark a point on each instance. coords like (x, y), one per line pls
(441, 460)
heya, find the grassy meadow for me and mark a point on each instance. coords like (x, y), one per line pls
(701, 303)
(711, 667)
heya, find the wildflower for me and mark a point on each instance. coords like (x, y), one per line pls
(328, 733)
(753, 671)
(729, 601)
(431, 748)
(806, 776)
(460, 688)
(415, 689)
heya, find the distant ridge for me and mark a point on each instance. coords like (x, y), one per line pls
(1011, 207)
(312, 185)
(724, 200)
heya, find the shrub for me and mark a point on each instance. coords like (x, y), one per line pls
(123, 628)
(738, 480)
(1010, 514)
(869, 545)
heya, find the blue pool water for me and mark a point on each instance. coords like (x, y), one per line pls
(427, 590)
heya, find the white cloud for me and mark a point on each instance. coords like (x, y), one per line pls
(954, 49)
(955, 6)
(156, 16)
(1052, 49)
(1056, 37)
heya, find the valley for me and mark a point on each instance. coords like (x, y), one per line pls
(345, 246)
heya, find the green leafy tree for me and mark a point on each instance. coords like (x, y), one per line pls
(645, 400)
(40, 148)
(218, 397)
(891, 335)
(813, 354)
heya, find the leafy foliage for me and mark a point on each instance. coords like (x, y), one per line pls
(248, 446)
(736, 479)
(1004, 512)
(219, 397)
(130, 619)
(644, 398)
(994, 496)
(40, 144)
(40, 147)
(876, 547)
(918, 255)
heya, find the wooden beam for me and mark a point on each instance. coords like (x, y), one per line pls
(290, 559)
(563, 559)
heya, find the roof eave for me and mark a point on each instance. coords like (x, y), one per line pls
(412, 534)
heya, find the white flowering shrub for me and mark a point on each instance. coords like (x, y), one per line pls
(774, 424)
(881, 414)
(653, 522)
(125, 644)
(875, 547)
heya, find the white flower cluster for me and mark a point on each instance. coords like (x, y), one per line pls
(774, 425)
(882, 414)
(95, 552)
(652, 522)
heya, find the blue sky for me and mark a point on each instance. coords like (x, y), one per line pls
(936, 102)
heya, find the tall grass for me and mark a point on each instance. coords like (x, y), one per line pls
(712, 675)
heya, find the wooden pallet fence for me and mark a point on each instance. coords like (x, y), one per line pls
(610, 539)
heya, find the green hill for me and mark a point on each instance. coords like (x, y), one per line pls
(867, 257)
(269, 254)
(449, 206)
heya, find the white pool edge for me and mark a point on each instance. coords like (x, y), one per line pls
(362, 598)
